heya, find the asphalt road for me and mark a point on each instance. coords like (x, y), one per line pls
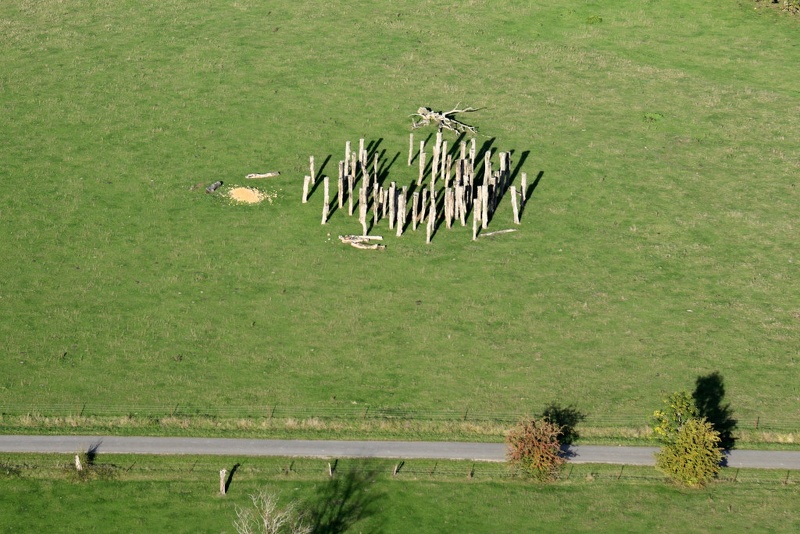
(407, 450)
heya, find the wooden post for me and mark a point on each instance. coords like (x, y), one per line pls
(340, 185)
(375, 167)
(473, 152)
(392, 202)
(447, 168)
(78, 465)
(306, 181)
(347, 158)
(443, 159)
(524, 186)
(401, 211)
(222, 474)
(410, 148)
(414, 208)
(484, 206)
(313, 172)
(362, 152)
(514, 205)
(474, 224)
(449, 206)
(463, 150)
(362, 210)
(350, 179)
(326, 188)
(376, 203)
(424, 205)
(421, 162)
(435, 162)
(462, 202)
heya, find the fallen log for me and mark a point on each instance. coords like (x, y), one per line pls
(367, 246)
(499, 232)
(359, 238)
(262, 175)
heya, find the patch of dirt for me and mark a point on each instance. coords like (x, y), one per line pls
(247, 195)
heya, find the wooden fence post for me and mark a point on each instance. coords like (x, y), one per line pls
(410, 148)
(414, 209)
(222, 474)
(326, 189)
(311, 168)
(514, 206)
(306, 181)
(524, 186)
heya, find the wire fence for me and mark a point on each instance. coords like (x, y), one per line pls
(789, 423)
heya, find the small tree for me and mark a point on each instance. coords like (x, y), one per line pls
(679, 408)
(693, 457)
(266, 517)
(533, 449)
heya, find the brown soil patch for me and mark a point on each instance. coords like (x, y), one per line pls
(247, 195)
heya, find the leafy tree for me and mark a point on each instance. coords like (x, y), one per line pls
(534, 449)
(679, 408)
(693, 457)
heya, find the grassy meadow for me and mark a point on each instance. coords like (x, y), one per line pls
(659, 245)
(38, 494)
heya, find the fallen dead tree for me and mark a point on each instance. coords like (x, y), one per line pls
(444, 119)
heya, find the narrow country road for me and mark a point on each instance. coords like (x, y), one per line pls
(482, 452)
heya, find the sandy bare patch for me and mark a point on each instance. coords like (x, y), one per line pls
(247, 195)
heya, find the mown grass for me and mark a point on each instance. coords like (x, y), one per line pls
(42, 493)
(659, 244)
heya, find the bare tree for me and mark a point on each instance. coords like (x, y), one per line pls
(266, 517)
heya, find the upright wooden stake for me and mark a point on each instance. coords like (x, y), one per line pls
(392, 202)
(435, 163)
(463, 150)
(376, 202)
(473, 152)
(222, 474)
(313, 172)
(350, 180)
(361, 151)
(523, 184)
(474, 224)
(401, 211)
(514, 206)
(485, 206)
(306, 181)
(347, 158)
(410, 148)
(340, 185)
(414, 209)
(362, 210)
(326, 189)
(421, 165)
(443, 159)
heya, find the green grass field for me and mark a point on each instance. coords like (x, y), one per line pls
(38, 495)
(659, 245)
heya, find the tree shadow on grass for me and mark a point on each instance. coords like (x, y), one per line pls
(708, 395)
(344, 500)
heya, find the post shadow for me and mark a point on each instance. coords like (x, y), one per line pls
(91, 452)
(317, 183)
(518, 167)
(383, 171)
(344, 500)
(230, 476)
(708, 395)
(320, 171)
(372, 147)
(531, 188)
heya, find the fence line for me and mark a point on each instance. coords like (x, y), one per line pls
(353, 413)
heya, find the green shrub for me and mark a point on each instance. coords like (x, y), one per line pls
(693, 457)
